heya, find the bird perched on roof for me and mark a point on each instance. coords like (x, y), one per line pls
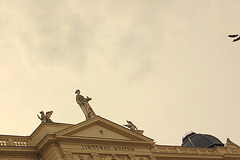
(236, 36)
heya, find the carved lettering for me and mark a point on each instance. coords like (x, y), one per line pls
(96, 147)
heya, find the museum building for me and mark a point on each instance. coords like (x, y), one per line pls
(98, 138)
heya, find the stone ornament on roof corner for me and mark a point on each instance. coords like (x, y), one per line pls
(230, 144)
(45, 117)
(131, 126)
(84, 105)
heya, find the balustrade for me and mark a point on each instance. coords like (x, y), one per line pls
(13, 141)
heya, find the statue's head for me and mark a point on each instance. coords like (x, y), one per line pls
(41, 112)
(77, 91)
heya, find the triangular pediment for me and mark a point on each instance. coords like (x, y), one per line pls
(99, 131)
(231, 145)
(101, 128)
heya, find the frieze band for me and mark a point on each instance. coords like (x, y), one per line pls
(110, 148)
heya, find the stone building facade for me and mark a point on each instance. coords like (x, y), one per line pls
(100, 139)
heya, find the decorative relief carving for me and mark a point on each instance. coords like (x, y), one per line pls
(152, 157)
(235, 152)
(82, 157)
(96, 156)
(105, 157)
(111, 157)
(102, 157)
(142, 157)
(67, 156)
(123, 157)
(132, 157)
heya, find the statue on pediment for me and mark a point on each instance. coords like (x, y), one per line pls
(45, 117)
(131, 126)
(84, 105)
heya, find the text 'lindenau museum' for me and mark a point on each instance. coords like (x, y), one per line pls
(97, 138)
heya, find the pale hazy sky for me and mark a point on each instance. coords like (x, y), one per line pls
(166, 65)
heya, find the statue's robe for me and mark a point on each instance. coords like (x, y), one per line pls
(86, 108)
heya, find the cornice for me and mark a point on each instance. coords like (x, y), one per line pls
(18, 151)
(94, 140)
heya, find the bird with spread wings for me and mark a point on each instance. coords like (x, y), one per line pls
(235, 36)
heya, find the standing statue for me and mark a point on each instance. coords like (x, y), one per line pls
(84, 105)
(45, 118)
(131, 126)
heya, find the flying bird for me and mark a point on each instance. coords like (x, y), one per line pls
(234, 36)
(236, 39)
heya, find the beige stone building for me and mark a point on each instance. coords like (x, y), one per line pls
(100, 139)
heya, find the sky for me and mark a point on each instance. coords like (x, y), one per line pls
(167, 66)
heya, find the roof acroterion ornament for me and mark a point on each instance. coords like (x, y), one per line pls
(84, 105)
(45, 117)
(131, 126)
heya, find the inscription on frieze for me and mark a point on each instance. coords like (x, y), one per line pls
(109, 148)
